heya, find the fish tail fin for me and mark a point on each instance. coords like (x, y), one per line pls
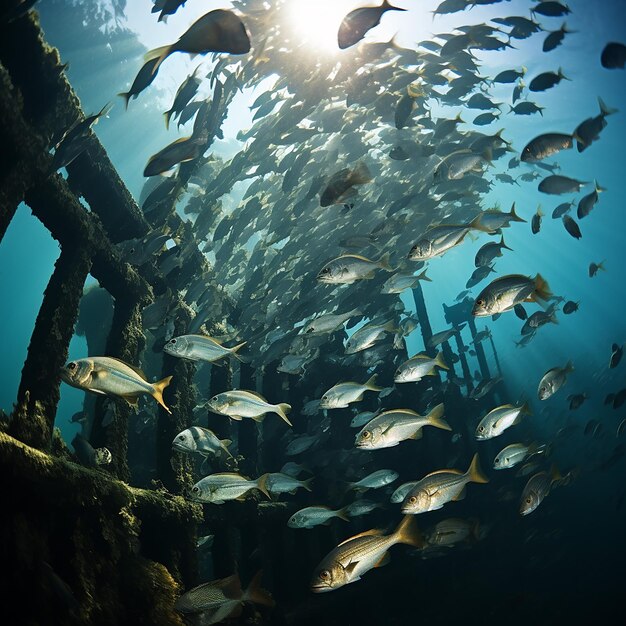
(526, 410)
(371, 384)
(503, 245)
(360, 175)
(167, 115)
(384, 263)
(440, 362)
(255, 594)
(306, 484)
(555, 474)
(435, 418)
(261, 485)
(569, 367)
(532, 449)
(341, 514)
(423, 276)
(158, 53)
(542, 289)
(282, 408)
(514, 216)
(408, 533)
(475, 473)
(540, 213)
(127, 96)
(159, 387)
(561, 75)
(389, 7)
(236, 349)
(598, 188)
(605, 110)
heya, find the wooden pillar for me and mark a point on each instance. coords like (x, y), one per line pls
(248, 430)
(422, 316)
(480, 352)
(38, 394)
(464, 366)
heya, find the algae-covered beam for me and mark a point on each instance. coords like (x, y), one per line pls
(38, 393)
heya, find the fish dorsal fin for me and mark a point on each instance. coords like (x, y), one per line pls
(446, 471)
(135, 369)
(356, 256)
(231, 587)
(368, 533)
(256, 395)
(407, 411)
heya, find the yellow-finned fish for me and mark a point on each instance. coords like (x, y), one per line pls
(238, 404)
(438, 488)
(112, 377)
(361, 553)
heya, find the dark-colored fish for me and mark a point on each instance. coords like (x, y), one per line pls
(551, 9)
(526, 108)
(576, 400)
(570, 307)
(341, 185)
(572, 227)
(179, 151)
(562, 209)
(520, 311)
(547, 80)
(595, 267)
(589, 130)
(357, 23)
(557, 185)
(619, 399)
(485, 119)
(545, 146)
(554, 39)
(217, 31)
(185, 93)
(509, 76)
(613, 56)
(535, 223)
(586, 203)
(142, 81)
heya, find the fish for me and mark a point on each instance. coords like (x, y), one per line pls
(389, 428)
(88, 455)
(572, 227)
(358, 508)
(478, 275)
(517, 453)
(555, 38)
(201, 440)
(328, 323)
(547, 80)
(375, 480)
(594, 268)
(342, 394)
(222, 599)
(142, 81)
(490, 251)
(562, 209)
(504, 293)
(438, 488)
(491, 221)
(418, 366)
(110, 376)
(216, 31)
(301, 444)
(586, 203)
(312, 516)
(184, 94)
(588, 131)
(355, 556)
(509, 76)
(75, 140)
(499, 419)
(613, 56)
(238, 404)
(400, 493)
(557, 184)
(520, 311)
(199, 348)
(570, 307)
(443, 336)
(553, 380)
(456, 165)
(576, 400)
(349, 268)
(356, 24)
(219, 488)
(545, 146)
(526, 108)
(278, 483)
(340, 187)
(397, 283)
(550, 9)
(367, 336)
(438, 240)
(537, 488)
(616, 355)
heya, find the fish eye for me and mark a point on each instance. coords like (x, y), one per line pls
(71, 366)
(481, 428)
(412, 500)
(480, 302)
(528, 500)
(324, 398)
(172, 341)
(195, 489)
(497, 461)
(366, 434)
(324, 574)
(214, 399)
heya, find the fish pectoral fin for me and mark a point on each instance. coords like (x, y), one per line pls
(417, 434)
(384, 559)
(461, 495)
(258, 418)
(99, 375)
(236, 417)
(351, 567)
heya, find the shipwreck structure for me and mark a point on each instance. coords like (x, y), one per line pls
(126, 552)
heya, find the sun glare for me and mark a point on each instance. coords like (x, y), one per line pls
(317, 22)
